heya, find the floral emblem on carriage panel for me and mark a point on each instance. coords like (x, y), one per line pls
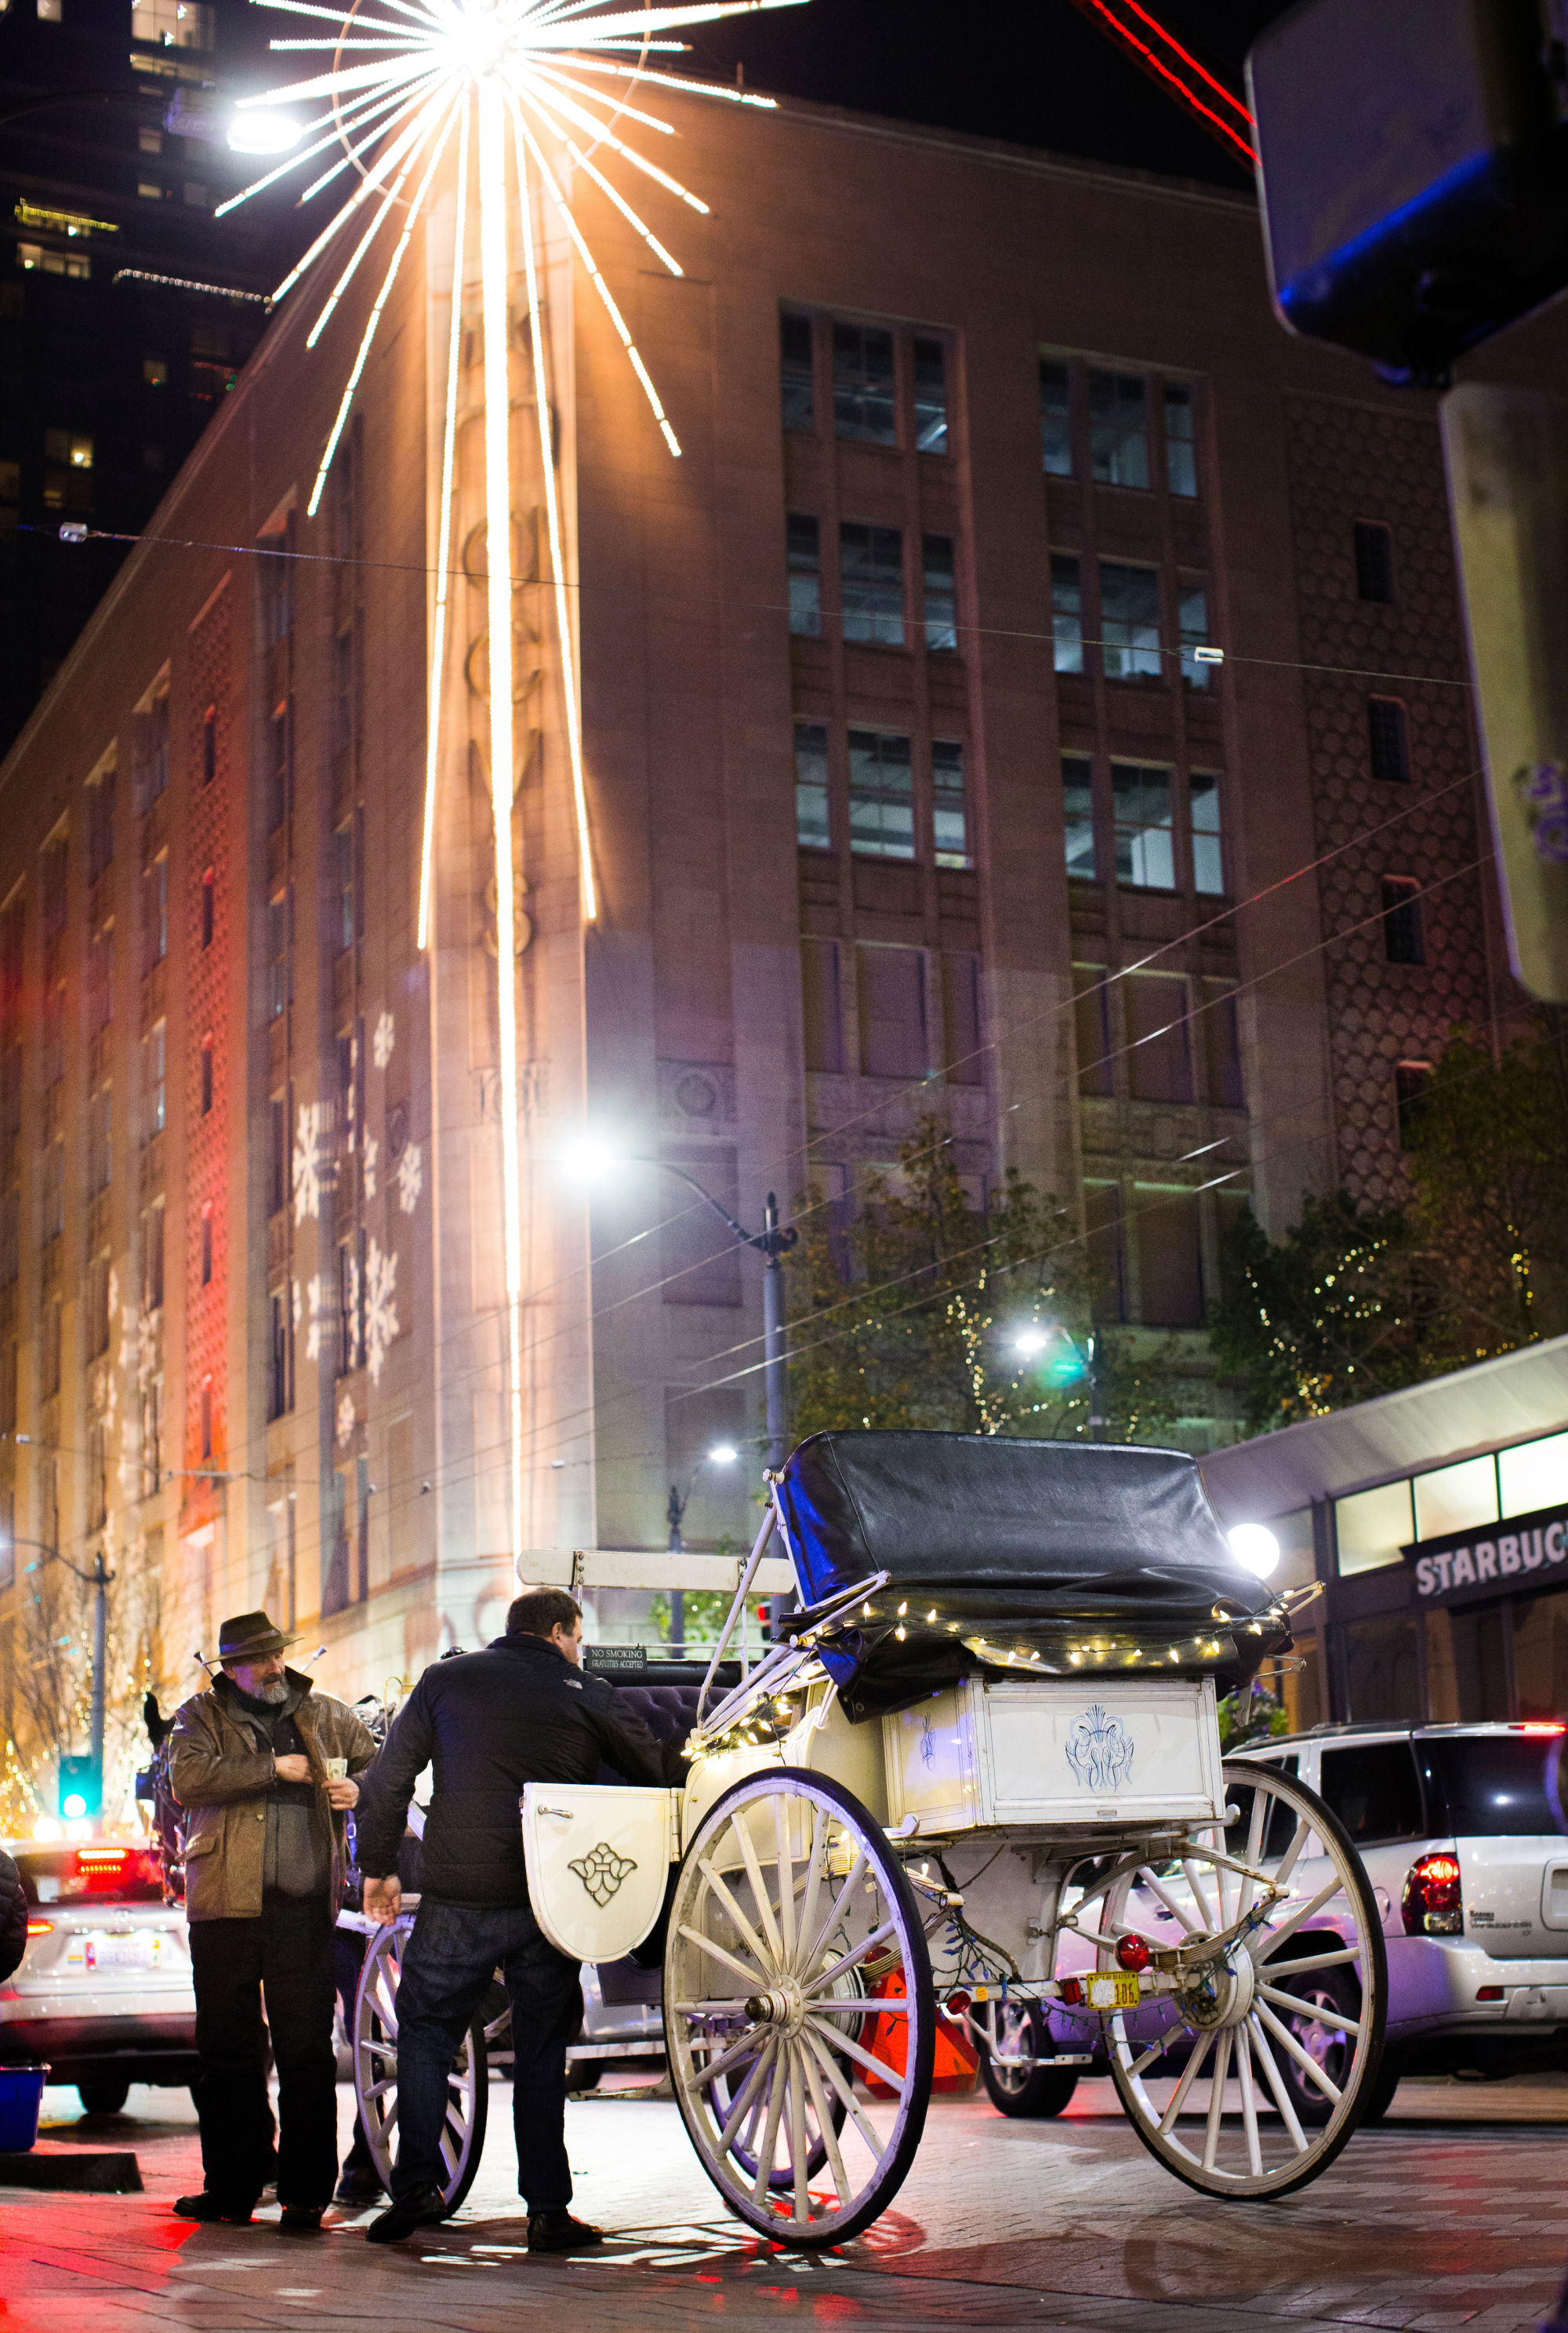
(1100, 1749)
(602, 1870)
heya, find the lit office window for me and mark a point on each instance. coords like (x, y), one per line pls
(863, 405)
(172, 24)
(1118, 429)
(1130, 621)
(871, 584)
(930, 396)
(1055, 419)
(804, 577)
(881, 796)
(1067, 614)
(813, 831)
(940, 591)
(1207, 858)
(1181, 443)
(1141, 801)
(1078, 817)
(950, 823)
(1193, 620)
(795, 379)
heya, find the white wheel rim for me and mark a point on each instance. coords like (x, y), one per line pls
(1249, 2137)
(782, 1896)
(375, 2066)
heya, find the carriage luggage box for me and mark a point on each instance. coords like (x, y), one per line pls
(1049, 1751)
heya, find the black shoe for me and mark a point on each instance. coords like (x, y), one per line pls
(301, 2219)
(207, 2207)
(557, 2232)
(358, 2185)
(424, 2209)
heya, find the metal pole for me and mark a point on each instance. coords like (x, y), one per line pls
(100, 1634)
(676, 1514)
(1097, 1412)
(775, 1380)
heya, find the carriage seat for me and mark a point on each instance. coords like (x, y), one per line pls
(665, 1696)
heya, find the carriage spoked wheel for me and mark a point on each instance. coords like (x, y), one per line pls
(1284, 2025)
(795, 1961)
(375, 2039)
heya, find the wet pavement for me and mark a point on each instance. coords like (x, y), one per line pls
(1452, 2213)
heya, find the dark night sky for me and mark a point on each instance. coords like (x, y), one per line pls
(1033, 72)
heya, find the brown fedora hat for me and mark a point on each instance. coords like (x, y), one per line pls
(250, 1637)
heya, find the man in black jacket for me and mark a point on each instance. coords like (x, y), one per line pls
(520, 1711)
(13, 1916)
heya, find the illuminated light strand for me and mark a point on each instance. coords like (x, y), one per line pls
(426, 129)
(652, 19)
(370, 330)
(600, 286)
(1189, 59)
(351, 77)
(678, 81)
(596, 129)
(364, 109)
(442, 553)
(1156, 66)
(624, 208)
(412, 95)
(595, 97)
(493, 279)
(362, 194)
(401, 43)
(329, 15)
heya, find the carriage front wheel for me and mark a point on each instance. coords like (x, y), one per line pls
(374, 2042)
(796, 1962)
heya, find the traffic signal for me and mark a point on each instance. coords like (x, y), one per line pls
(81, 1789)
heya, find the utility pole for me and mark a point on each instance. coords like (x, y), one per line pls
(100, 1579)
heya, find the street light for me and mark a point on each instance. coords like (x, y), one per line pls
(1254, 1546)
(1032, 1339)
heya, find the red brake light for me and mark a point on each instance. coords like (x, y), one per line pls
(40, 1927)
(1132, 1953)
(1489, 1992)
(1433, 1904)
(1072, 1992)
(97, 1854)
(1543, 1729)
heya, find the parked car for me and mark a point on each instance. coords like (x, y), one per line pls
(103, 1995)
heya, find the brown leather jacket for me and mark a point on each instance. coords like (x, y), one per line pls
(220, 1775)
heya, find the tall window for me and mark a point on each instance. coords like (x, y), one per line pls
(930, 396)
(1159, 1041)
(950, 822)
(101, 979)
(1078, 817)
(1181, 440)
(1207, 858)
(280, 953)
(154, 1077)
(1411, 1081)
(1067, 614)
(49, 1361)
(99, 1139)
(98, 1274)
(278, 1155)
(813, 827)
(805, 547)
(152, 1259)
(53, 871)
(1118, 429)
(209, 745)
(1130, 621)
(881, 795)
(205, 1418)
(1388, 740)
(864, 402)
(1192, 618)
(1055, 419)
(207, 1075)
(342, 692)
(206, 1244)
(99, 825)
(795, 381)
(275, 586)
(1141, 800)
(209, 906)
(871, 582)
(277, 768)
(278, 1352)
(54, 1190)
(1375, 562)
(940, 591)
(151, 749)
(155, 912)
(343, 886)
(1404, 942)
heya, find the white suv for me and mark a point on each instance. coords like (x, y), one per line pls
(1464, 1833)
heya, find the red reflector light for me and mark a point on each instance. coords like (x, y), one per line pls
(956, 2004)
(1132, 1953)
(1072, 1992)
(1543, 1729)
(1489, 1992)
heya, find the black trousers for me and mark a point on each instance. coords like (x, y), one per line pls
(286, 1956)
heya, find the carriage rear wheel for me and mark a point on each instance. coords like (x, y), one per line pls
(795, 1961)
(375, 2039)
(1016, 2082)
(1283, 2030)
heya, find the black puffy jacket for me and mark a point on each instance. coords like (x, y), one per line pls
(518, 1712)
(13, 1916)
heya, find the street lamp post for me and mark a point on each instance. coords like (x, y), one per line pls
(773, 1243)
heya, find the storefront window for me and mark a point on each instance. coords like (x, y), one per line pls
(1453, 1498)
(1535, 1475)
(1382, 1673)
(1372, 1528)
(1541, 1656)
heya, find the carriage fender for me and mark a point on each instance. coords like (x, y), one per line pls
(598, 1857)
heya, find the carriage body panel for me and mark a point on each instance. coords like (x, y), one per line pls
(599, 1858)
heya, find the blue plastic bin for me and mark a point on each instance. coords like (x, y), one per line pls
(20, 2096)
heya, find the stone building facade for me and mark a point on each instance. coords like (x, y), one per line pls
(979, 719)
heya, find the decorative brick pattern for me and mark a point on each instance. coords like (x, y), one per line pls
(1351, 463)
(208, 974)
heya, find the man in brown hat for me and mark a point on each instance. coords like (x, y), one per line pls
(266, 1766)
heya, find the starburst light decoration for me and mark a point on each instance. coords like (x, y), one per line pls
(416, 95)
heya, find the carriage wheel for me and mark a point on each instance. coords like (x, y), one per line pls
(1285, 2029)
(795, 1960)
(375, 2072)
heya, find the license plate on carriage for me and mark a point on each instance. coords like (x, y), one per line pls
(1115, 1990)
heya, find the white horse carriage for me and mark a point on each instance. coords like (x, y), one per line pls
(979, 1779)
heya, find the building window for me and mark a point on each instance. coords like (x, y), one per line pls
(871, 584)
(864, 402)
(1055, 419)
(1193, 619)
(813, 827)
(1412, 1080)
(1118, 429)
(278, 769)
(1388, 738)
(206, 1417)
(149, 141)
(1207, 858)
(280, 954)
(961, 1002)
(278, 1155)
(206, 1246)
(822, 1005)
(894, 1041)
(51, 11)
(100, 824)
(154, 371)
(881, 796)
(1180, 445)
(949, 818)
(1158, 1047)
(278, 1353)
(155, 920)
(1130, 621)
(804, 577)
(1067, 614)
(152, 1260)
(53, 263)
(795, 372)
(1374, 563)
(1078, 817)
(1404, 942)
(99, 1275)
(342, 692)
(49, 1359)
(209, 905)
(1169, 1257)
(99, 1139)
(209, 745)
(154, 1071)
(1141, 800)
(172, 24)
(940, 591)
(206, 1074)
(101, 980)
(1223, 1046)
(930, 396)
(151, 749)
(343, 885)
(1106, 1250)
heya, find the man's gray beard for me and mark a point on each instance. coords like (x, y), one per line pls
(278, 1690)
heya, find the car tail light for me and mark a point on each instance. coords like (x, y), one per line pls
(40, 1927)
(1543, 1729)
(1433, 1904)
(1489, 1992)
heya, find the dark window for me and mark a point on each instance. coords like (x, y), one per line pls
(864, 406)
(871, 584)
(209, 885)
(930, 396)
(99, 826)
(280, 953)
(1169, 1257)
(813, 827)
(1193, 622)
(207, 1252)
(207, 1075)
(151, 752)
(1375, 562)
(804, 577)
(1180, 451)
(1404, 942)
(343, 886)
(940, 591)
(1412, 1080)
(152, 1259)
(209, 745)
(1106, 1250)
(278, 768)
(206, 1417)
(1067, 614)
(795, 371)
(1055, 420)
(1092, 1026)
(1207, 859)
(960, 1001)
(1159, 1040)
(59, 1875)
(278, 1157)
(881, 795)
(1223, 1046)
(1494, 1786)
(342, 692)
(893, 1039)
(1388, 737)
(1118, 429)
(155, 915)
(1374, 1789)
(822, 1003)
(277, 1390)
(1078, 816)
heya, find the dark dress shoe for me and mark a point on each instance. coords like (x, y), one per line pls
(557, 2232)
(207, 2207)
(424, 2209)
(301, 2219)
(358, 2185)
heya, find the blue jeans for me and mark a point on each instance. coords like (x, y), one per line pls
(448, 1964)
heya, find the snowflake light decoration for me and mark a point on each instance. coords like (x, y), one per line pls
(368, 1165)
(310, 1161)
(409, 1178)
(382, 1039)
(380, 1311)
(522, 95)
